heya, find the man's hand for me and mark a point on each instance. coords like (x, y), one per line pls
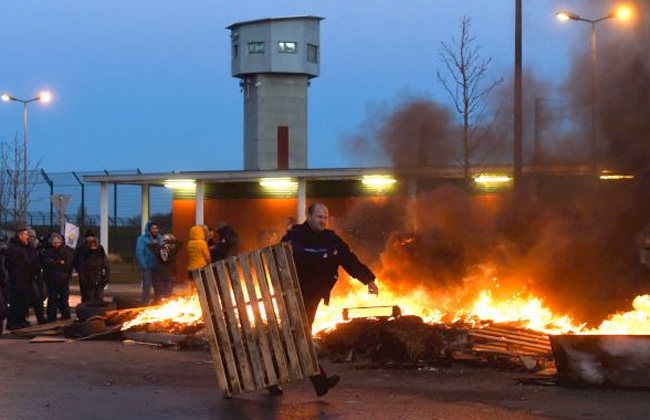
(373, 289)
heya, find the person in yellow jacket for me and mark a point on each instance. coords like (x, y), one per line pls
(197, 249)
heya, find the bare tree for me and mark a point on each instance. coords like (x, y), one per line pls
(14, 199)
(468, 87)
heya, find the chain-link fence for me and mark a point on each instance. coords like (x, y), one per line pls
(84, 207)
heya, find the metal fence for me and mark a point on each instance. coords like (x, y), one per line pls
(84, 207)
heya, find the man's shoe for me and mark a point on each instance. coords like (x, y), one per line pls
(275, 391)
(322, 384)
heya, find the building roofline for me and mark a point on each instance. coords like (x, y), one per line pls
(159, 178)
(273, 19)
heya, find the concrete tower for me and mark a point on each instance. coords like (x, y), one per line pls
(274, 59)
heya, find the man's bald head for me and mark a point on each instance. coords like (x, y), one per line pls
(318, 216)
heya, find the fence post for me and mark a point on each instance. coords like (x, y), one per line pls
(83, 202)
(51, 184)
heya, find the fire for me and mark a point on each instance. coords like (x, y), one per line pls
(524, 308)
(182, 310)
(627, 323)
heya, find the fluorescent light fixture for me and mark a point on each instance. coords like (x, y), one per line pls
(615, 177)
(378, 180)
(180, 184)
(492, 179)
(279, 183)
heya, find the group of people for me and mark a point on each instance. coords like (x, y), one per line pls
(318, 253)
(156, 255)
(32, 269)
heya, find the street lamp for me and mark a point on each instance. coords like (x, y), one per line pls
(621, 13)
(44, 97)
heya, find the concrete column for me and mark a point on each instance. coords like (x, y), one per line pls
(302, 200)
(145, 207)
(200, 187)
(103, 216)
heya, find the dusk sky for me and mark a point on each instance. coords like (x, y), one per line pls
(146, 84)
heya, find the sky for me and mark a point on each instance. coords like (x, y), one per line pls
(146, 84)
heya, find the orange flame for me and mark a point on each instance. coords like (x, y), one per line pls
(182, 310)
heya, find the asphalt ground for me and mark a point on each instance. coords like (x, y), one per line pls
(111, 380)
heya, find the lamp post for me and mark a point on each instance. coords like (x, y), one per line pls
(43, 97)
(622, 13)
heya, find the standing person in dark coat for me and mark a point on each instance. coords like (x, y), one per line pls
(166, 253)
(22, 264)
(226, 244)
(92, 266)
(57, 267)
(318, 252)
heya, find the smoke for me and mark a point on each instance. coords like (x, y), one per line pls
(570, 239)
(415, 133)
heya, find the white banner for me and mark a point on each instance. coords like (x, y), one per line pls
(71, 235)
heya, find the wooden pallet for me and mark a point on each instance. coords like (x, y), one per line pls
(255, 320)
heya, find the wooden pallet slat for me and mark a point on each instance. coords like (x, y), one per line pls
(233, 324)
(280, 356)
(245, 325)
(210, 326)
(285, 323)
(301, 303)
(222, 336)
(258, 327)
(296, 311)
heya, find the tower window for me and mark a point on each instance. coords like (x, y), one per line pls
(256, 47)
(287, 47)
(235, 50)
(312, 53)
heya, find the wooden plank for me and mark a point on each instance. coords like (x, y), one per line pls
(36, 329)
(245, 324)
(302, 336)
(222, 336)
(296, 284)
(508, 340)
(259, 326)
(212, 333)
(290, 346)
(271, 318)
(240, 351)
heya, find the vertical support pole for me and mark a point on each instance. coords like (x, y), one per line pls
(537, 147)
(200, 187)
(592, 94)
(103, 215)
(302, 200)
(145, 207)
(518, 120)
(114, 211)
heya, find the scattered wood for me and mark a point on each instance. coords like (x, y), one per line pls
(255, 320)
(41, 329)
(48, 339)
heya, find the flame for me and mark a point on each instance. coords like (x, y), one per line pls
(635, 322)
(522, 307)
(182, 310)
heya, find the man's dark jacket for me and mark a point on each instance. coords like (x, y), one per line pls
(22, 265)
(318, 256)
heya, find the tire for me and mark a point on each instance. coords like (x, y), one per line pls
(84, 329)
(90, 309)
